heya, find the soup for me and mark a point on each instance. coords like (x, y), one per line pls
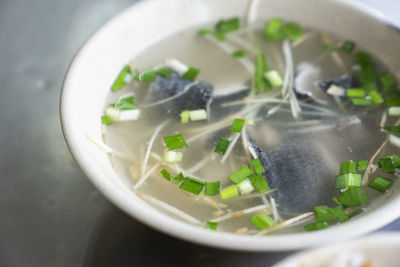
(273, 128)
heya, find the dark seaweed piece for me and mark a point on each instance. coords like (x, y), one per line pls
(345, 81)
(198, 96)
(296, 170)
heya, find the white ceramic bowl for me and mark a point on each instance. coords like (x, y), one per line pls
(128, 34)
(380, 250)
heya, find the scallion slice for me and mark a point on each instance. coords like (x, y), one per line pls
(262, 221)
(172, 156)
(212, 188)
(211, 226)
(392, 101)
(361, 102)
(388, 82)
(353, 196)
(106, 120)
(240, 174)
(239, 53)
(273, 78)
(229, 192)
(176, 141)
(258, 167)
(237, 125)
(260, 82)
(178, 178)
(347, 47)
(356, 212)
(380, 184)
(389, 163)
(355, 92)
(340, 215)
(227, 25)
(146, 76)
(126, 103)
(164, 72)
(316, 226)
(185, 116)
(292, 31)
(323, 214)
(198, 115)
(166, 174)
(120, 82)
(348, 180)
(395, 129)
(192, 185)
(273, 30)
(259, 183)
(394, 111)
(220, 36)
(222, 145)
(348, 167)
(245, 187)
(191, 74)
(375, 97)
(205, 31)
(362, 165)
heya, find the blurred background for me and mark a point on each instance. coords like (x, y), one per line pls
(51, 214)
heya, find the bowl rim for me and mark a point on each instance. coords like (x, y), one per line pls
(184, 231)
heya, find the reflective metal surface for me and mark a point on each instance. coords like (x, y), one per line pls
(51, 214)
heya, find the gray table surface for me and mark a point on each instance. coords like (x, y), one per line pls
(52, 215)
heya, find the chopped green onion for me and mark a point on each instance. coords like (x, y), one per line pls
(172, 156)
(191, 74)
(347, 47)
(239, 53)
(178, 178)
(240, 174)
(362, 165)
(355, 93)
(273, 78)
(166, 174)
(205, 31)
(185, 116)
(192, 185)
(260, 82)
(368, 70)
(164, 72)
(329, 47)
(292, 31)
(146, 76)
(120, 82)
(336, 200)
(259, 183)
(361, 102)
(388, 82)
(348, 167)
(175, 141)
(198, 115)
(362, 58)
(356, 212)
(220, 36)
(229, 192)
(227, 25)
(211, 226)
(392, 101)
(394, 111)
(222, 146)
(353, 196)
(395, 129)
(389, 163)
(316, 226)
(273, 30)
(340, 215)
(245, 187)
(323, 214)
(375, 97)
(106, 120)
(380, 184)
(368, 87)
(126, 103)
(258, 167)
(237, 125)
(348, 180)
(212, 188)
(262, 221)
